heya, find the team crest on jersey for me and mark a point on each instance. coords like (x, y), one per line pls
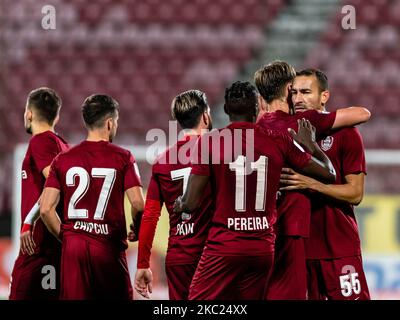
(327, 143)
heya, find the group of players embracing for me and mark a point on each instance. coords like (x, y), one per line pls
(262, 211)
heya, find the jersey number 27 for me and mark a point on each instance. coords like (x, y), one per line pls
(108, 174)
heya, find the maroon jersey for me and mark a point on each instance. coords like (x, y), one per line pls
(244, 185)
(92, 178)
(42, 149)
(294, 206)
(281, 121)
(188, 232)
(334, 231)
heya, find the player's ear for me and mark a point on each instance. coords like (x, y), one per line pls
(206, 118)
(29, 114)
(226, 109)
(325, 96)
(109, 124)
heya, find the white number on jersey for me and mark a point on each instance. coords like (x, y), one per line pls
(349, 284)
(179, 174)
(239, 166)
(109, 178)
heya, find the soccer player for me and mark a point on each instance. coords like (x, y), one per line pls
(188, 232)
(288, 280)
(334, 261)
(243, 164)
(92, 178)
(38, 247)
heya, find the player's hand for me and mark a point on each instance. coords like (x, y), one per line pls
(133, 235)
(305, 134)
(178, 205)
(144, 282)
(26, 240)
(296, 181)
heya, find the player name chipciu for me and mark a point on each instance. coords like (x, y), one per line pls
(248, 223)
(92, 227)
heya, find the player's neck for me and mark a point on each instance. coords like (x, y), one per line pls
(241, 118)
(97, 135)
(318, 109)
(278, 104)
(192, 132)
(40, 127)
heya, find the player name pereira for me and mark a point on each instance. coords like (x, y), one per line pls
(92, 227)
(248, 223)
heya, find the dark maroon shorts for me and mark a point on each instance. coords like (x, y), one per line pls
(91, 269)
(337, 279)
(179, 278)
(30, 277)
(288, 280)
(231, 277)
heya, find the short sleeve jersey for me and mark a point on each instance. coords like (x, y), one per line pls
(244, 163)
(188, 232)
(42, 149)
(334, 230)
(92, 178)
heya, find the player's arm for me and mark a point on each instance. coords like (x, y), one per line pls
(134, 191)
(319, 166)
(347, 117)
(26, 240)
(352, 191)
(34, 214)
(353, 168)
(48, 203)
(152, 211)
(44, 150)
(191, 199)
(136, 199)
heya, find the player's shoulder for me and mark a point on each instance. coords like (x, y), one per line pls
(161, 160)
(119, 150)
(347, 132)
(310, 114)
(125, 155)
(216, 132)
(71, 151)
(349, 137)
(209, 137)
(62, 157)
(43, 138)
(61, 139)
(273, 134)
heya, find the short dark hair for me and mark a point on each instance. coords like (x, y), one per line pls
(241, 98)
(46, 103)
(187, 108)
(271, 80)
(321, 77)
(96, 108)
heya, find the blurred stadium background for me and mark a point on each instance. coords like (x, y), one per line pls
(144, 52)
